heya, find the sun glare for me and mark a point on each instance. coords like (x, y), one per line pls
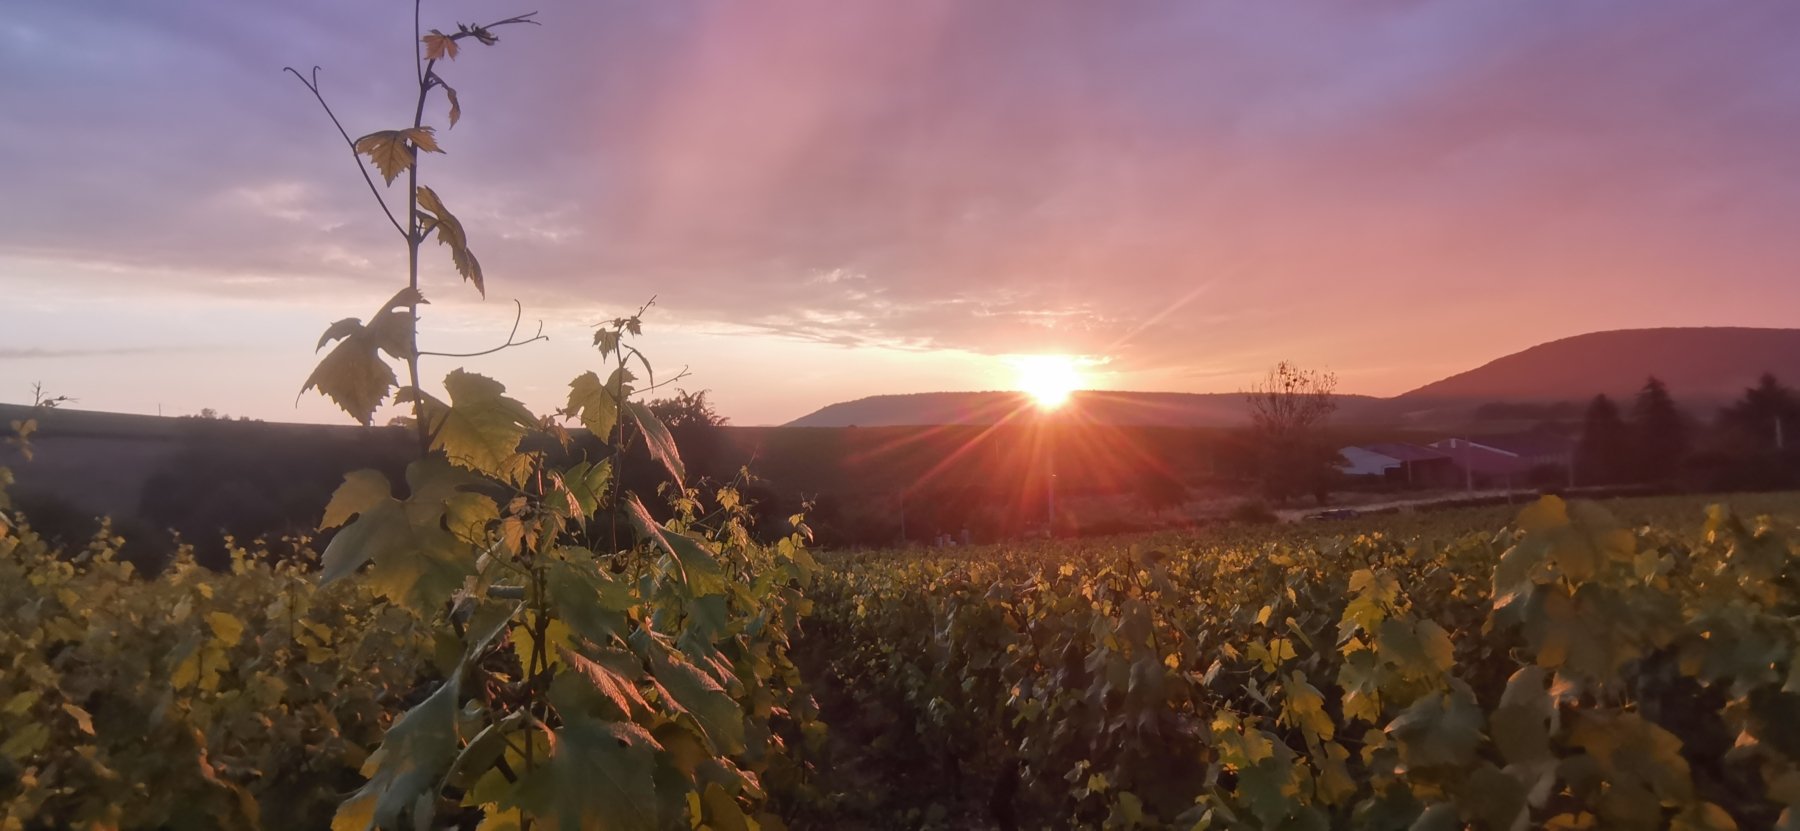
(1048, 379)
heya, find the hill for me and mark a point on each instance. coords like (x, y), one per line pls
(1699, 364)
(1158, 409)
(1704, 367)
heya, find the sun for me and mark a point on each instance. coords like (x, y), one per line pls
(1048, 379)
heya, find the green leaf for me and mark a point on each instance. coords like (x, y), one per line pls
(613, 674)
(591, 601)
(481, 428)
(361, 491)
(449, 228)
(595, 404)
(414, 753)
(690, 690)
(1521, 724)
(598, 778)
(417, 562)
(1439, 729)
(662, 445)
(353, 374)
(699, 569)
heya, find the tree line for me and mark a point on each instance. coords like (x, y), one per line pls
(1748, 444)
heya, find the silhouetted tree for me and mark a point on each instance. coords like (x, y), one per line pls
(1604, 455)
(1288, 412)
(1660, 436)
(1766, 418)
(686, 409)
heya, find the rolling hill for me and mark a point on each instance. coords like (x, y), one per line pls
(1703, 367)
(1712, 364)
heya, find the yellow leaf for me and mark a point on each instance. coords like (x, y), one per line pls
(355, 814)
(494, 819)
(82, 719)
(439, 46)
(393, 151)
(556, 634)
(1547, 512)
(1305, 708)
(353, 374)
(186, 672)
(226, 627)
(450, 232)
(455, 105)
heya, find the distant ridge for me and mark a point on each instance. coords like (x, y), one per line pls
(1703, 367)
(1162, 409)
(1699, 364)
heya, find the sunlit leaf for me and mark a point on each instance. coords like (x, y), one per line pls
(439, 46)
(353, 374)
(393, 151)
(450, 232)
(481, 427)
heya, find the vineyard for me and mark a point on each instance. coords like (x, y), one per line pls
(1632, 666)
(549, 622)
(1578, 669)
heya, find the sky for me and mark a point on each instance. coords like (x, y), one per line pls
(833, 199)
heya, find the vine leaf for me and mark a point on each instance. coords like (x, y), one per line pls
(688, 689)
(1439, 728)
(662, 445)
(439, 46)
(416, 561)
(393, 151)
(596, 405)
(698, 568)
(480, 429)
(352, 374)
(414, 752)
(455, 104)
(599, 776)
(435, 217)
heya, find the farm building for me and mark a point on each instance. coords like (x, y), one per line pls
(1511, 460)
(1400, 463)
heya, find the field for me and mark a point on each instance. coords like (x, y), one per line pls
(1623, 666)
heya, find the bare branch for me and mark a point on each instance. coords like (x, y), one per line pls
(313, 87)
(510, 342)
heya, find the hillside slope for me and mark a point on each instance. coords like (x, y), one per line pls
(1699, 364)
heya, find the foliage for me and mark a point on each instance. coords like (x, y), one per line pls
(1604, 454)
(197, 699)
(1570, 672)
(1659, 433)
(1288, 412)
(602, 668)
(1766, 418)
(686, 409)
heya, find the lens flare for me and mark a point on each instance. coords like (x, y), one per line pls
(1048, 379)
